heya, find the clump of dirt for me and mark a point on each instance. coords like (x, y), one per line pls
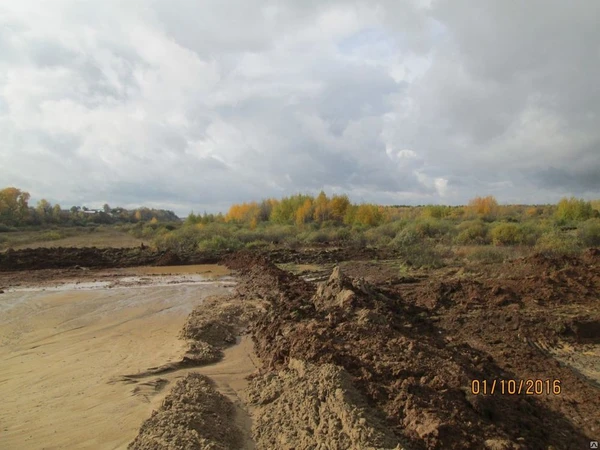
(413, 350)
(168, 259)
(323, 401)
(193, 416)
(219, 320)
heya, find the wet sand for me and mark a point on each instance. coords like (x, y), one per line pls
(61, 350)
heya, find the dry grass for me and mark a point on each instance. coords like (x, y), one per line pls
(100, 237)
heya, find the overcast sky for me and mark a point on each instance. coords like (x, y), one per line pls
(187, 104)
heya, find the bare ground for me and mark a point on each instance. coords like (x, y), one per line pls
(378, 356)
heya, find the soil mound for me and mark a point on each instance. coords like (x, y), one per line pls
(414, 364)
(332, 412)
(193, 416)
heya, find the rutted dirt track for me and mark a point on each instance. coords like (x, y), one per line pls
(371, 358)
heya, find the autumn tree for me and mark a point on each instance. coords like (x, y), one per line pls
(368, 214)
(484, 207)
(321, 210)
(304, 213)
(285, 210)
(338, 205)
(243, 213)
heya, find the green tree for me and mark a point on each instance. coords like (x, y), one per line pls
(14, 208)
(574, 209)
(44, 210)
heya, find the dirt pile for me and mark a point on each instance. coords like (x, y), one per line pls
(216, 325)
(323, 400)
(193, 416)
(408, 356)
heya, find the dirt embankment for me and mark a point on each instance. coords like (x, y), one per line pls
(412, 351)
(92, 257)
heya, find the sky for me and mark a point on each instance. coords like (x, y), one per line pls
(195, 105)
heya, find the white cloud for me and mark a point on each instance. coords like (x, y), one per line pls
(196, 106)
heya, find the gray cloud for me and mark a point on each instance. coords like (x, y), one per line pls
(195, 106)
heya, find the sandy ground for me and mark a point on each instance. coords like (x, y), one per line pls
(60, 352)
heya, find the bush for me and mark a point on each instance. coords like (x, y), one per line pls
(486, 255)
(557, 242)
(256, 244)
(6, 228)
(50, 236)
(506, 234)
(219, 243)
(423, 255)
(589, 233)
(473, 232)
(406, 237)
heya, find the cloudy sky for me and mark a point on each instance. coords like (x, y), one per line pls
(188, 104)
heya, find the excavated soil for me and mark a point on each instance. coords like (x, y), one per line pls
(196, 414)
(411, 349)
(377, 357)
(93, 257)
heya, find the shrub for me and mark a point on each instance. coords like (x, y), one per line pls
(436, 211)
(432, 228)
(506, 234)
(589, 233)
(473, 232)
(219, 243)
(406, 237)
(6, 228)
(486, 255)
(50, 236)
(256, 244)
(557, 242)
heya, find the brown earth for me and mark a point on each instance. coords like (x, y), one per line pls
(412, 347)
(93, 257)
(381, 356)
(196, 414)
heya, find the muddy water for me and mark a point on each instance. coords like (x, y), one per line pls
(60, 349)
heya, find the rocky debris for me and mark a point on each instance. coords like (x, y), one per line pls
(194, 416)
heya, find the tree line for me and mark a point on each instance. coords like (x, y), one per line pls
(15, 211)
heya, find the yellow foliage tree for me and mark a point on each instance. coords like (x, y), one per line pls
(368, 214)
(338, 205)
(243, 213)
(304, 213)
(321, 213)
(484, 206)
